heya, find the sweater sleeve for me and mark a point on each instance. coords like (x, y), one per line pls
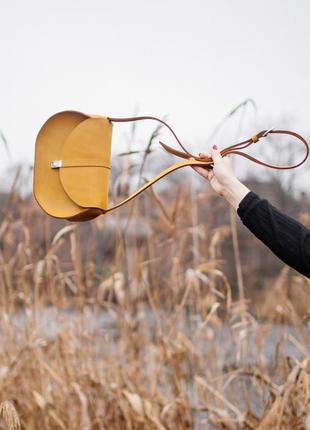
(287, 238)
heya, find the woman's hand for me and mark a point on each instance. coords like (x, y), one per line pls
(222, 178)
(221, 175)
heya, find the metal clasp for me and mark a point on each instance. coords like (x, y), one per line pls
(56, 164)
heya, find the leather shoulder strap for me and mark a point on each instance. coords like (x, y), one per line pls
(152, 181)
(236, 149)
(205, 162)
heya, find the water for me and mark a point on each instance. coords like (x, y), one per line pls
(223, 342)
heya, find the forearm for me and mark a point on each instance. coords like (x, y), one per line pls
(285, 237)
(234, 192)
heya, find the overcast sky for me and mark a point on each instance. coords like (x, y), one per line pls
(190, 60)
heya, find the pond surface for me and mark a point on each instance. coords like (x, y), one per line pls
(262, 341)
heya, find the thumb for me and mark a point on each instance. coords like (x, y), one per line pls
(216, 154)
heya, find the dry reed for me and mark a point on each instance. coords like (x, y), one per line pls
(149, 336)
(132, 321)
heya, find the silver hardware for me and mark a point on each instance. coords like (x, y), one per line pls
(267, 131)
(56, 164)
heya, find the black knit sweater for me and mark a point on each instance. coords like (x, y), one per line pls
(286, 237)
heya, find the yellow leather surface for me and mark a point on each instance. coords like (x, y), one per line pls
(87, 185)
(48, 189)
(85, 215)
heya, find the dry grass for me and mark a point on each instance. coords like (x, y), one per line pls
(150, 336)
(131, 321)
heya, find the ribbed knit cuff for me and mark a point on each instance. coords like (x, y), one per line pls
(249, 201)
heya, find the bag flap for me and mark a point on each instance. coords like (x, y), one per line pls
(47, 186)
(85, 163)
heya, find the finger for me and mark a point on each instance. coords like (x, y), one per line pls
(201, 170)
(216, 154)
(227, 160)
(203, 155)
(210, 175)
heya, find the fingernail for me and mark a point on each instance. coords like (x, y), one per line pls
(214, 147)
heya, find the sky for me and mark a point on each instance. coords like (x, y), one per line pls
(190, 61)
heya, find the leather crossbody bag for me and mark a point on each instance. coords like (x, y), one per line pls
(73, 161)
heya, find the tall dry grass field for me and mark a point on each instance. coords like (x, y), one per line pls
(131, 321)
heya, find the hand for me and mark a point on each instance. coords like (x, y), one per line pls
(221, 176)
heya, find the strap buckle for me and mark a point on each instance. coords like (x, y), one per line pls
(268, 131)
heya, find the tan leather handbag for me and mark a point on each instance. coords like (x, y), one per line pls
(73, 161)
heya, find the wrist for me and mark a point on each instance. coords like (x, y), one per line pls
(234, 192)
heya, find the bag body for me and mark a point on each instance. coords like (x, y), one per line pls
(72, 165)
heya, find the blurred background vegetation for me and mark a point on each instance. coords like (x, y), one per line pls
(166, 314)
